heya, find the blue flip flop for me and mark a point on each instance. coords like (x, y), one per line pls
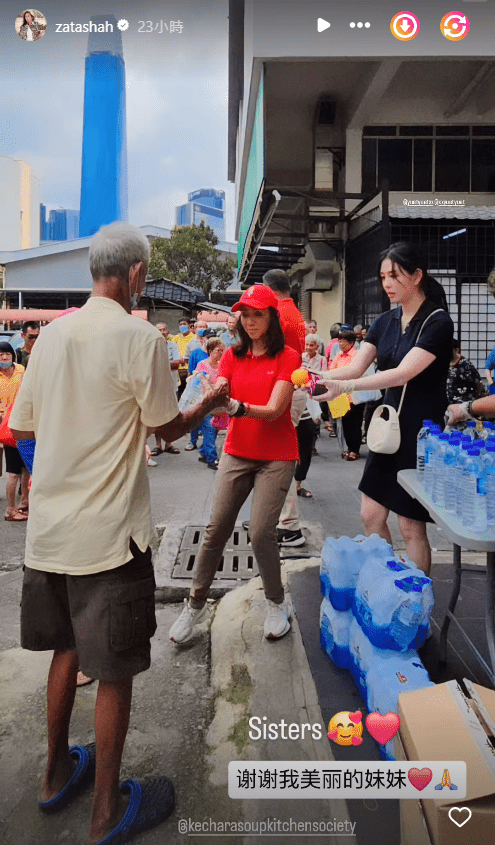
(150, 803)
(83, 775)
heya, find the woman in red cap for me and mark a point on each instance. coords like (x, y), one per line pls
(259, 454)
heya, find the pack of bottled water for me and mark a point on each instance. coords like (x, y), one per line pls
(393, 602)
(374, 615)
(334, 633)
(342, 559)
(457, 469)
(381, 674)
(192, 394)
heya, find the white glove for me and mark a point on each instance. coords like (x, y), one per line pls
(457, 413)
(335, 388)
(233, 406)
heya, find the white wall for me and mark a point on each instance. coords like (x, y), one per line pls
(10, 204)
(59, 272)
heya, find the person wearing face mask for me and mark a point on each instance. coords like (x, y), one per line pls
(98, 384)
(182, 339)
(11, 375)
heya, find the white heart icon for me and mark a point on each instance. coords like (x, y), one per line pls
(463, 810)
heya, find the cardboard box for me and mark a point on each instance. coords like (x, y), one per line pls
(442, 723)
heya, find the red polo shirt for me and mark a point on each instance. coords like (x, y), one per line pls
(252, 379)
(293, 326)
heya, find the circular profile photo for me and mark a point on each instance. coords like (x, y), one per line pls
(30, 25)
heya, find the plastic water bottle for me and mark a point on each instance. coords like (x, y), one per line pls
(391, 604)
(489, 463)
(420, 449)
(407, 618)
(438, 488)
(192, 395)
(428, 464)
(461, 459)
(474, 497)
(361, 654)
(449, 461)
(334, 633)
(391, 675)
(471, 429)
(342, 560)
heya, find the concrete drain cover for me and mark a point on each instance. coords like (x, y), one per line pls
(237, 563)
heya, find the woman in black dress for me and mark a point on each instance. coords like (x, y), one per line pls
(423, 366)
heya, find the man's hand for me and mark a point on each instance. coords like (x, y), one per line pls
(216, 396)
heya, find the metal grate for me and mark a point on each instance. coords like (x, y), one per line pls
(237, 562)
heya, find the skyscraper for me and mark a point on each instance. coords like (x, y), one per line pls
(104, 152)
(207, 205)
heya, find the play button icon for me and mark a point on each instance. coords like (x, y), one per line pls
(322, 25)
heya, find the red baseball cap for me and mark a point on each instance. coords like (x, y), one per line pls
(257, 296)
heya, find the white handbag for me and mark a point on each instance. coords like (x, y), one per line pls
(384, 429)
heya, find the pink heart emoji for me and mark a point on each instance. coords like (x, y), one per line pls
(333, 735)
(356, 740)
(356, 717)
(382, 728)
(420, 777)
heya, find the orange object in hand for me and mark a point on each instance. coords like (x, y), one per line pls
(300, 377)
(339, 406)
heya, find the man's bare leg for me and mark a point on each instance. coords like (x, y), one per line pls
(24, 503)
(113, 707)
(61, 690)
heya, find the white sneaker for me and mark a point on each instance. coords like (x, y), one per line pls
(183, 627)
(277, 622)
(152, 463)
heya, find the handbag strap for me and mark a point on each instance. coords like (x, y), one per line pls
(415, 342)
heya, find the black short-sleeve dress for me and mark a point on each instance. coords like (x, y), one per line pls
(425, 398)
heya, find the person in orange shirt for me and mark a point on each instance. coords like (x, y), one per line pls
(353, 420)
(10, 381)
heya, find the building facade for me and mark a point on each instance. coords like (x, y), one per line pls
(61, 224)
(338, 151)
(104, 152)
(205, 205)
(19, 205)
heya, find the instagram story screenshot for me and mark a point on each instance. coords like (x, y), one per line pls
(213, 628)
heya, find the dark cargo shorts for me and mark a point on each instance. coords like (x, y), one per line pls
(108, 617)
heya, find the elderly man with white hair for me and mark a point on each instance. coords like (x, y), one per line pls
(98, 382)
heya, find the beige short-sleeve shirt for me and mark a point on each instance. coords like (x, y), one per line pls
(96, 379)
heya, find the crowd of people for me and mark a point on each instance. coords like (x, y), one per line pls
(96, 385)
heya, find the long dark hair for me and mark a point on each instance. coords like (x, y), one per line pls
(24, 21)
(274, 337)
(410, 258)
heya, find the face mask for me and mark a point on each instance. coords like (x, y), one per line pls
(201, 332)
(184, 329)
(4, 365)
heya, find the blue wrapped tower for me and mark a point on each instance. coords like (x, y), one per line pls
(104, 152)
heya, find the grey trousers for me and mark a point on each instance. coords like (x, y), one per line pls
(236, 477)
